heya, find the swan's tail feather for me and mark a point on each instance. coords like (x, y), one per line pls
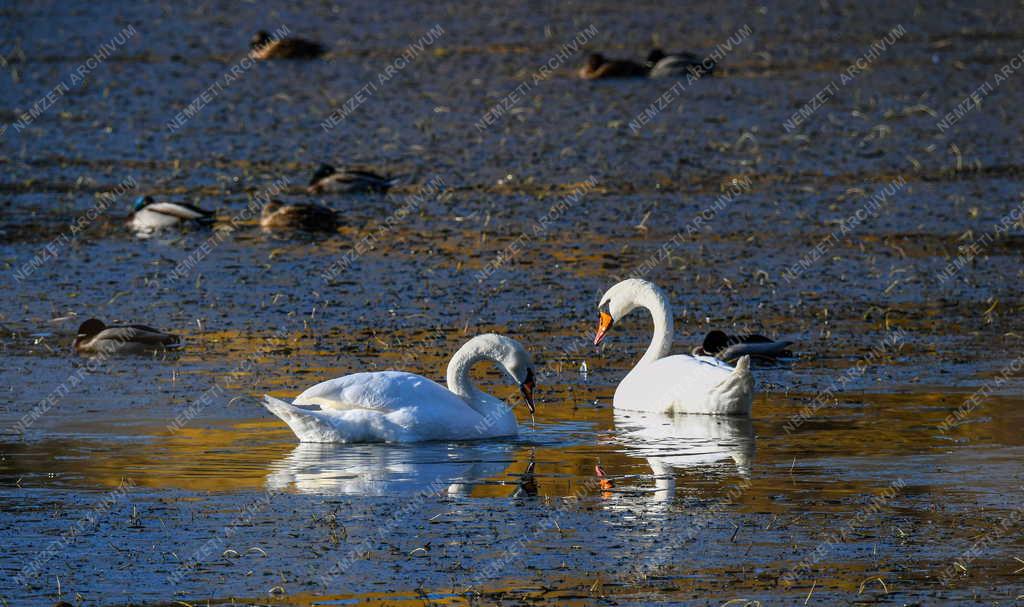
(742, 366)
(735, 394)
(306, 425)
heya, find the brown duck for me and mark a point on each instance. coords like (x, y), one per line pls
(599, 66)
(264, 46)
(298, 216)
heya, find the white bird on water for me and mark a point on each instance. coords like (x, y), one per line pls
(660, 383)
(399, 407)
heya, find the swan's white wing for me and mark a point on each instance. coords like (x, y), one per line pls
(673, 375)
(387, 406)
(687, 384)
(384, 391)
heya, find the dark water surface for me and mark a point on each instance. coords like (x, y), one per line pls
(132, 488)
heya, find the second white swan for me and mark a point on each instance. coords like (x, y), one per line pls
(398, 407)
(672, 384)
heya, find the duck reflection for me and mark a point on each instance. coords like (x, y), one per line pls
(379, 469)
(684, 442)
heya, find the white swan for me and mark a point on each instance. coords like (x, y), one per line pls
(398, 407)
(672, 384)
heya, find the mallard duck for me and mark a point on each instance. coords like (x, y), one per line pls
(730, 347)
(300, 216)
(598, 66)
(150, 215)
(94, 337)
(661, 65)
(264, 46)
(329, 179)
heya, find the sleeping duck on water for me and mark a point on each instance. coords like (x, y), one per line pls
(598, 66)
(150, 215)
(298, 216)
(264, 46)
(95, 337)
(329, 179)
(662, 65)
(731, 347)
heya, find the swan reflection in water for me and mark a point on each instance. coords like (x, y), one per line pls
(685, 442)
(383, 469)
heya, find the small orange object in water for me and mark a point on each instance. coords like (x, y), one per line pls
(605, 484)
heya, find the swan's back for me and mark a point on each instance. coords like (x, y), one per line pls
(386, 406)
(383, 391)
(687, 384)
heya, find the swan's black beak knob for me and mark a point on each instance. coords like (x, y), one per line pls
(527, 389)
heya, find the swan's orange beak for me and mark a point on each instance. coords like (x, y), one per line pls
(603, 325)
(527, 389)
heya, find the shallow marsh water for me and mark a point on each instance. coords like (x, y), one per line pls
(163, 495)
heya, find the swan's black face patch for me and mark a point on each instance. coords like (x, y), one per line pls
(527, 389)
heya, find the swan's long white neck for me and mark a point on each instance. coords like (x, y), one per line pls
(657, 303)
(458, 377)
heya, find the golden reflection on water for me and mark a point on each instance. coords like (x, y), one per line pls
(566, 443)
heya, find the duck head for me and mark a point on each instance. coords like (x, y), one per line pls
(89, 329)
(261, 39)
(271, 207)
(324, 171)
(594, 61)
(714, 342)
(655, 56)
(140, 203)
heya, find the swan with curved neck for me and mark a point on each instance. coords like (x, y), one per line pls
(394, 406)
(660, 383)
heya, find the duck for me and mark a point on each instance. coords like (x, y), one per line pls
(730, 347)
(95, 337)
(264, 46)
(598, 66)
(298, 216)
(149, 215)
(662, 65)
(400, 407)
(680, 384)
(347, 181)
